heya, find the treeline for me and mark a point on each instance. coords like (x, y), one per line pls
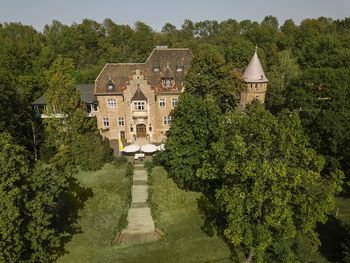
(308, 66)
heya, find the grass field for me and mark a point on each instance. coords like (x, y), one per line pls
(342, 205)
(175, 212)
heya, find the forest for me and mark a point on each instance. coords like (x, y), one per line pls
(308, 66)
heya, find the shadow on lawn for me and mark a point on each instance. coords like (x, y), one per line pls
(68, 208)
(333, 235)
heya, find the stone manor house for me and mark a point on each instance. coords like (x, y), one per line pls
(133, 101)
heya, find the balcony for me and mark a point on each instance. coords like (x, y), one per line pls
(139, 114)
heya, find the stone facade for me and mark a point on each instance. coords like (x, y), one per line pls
(255, 80)
(135, 100)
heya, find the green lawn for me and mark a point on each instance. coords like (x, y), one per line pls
(343, 206)
(175, 211)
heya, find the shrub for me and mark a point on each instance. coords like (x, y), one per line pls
(47, 152)
(90, 152)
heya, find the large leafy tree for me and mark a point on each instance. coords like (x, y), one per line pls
(260, 180)
(194, 126)
(13, 197)
(281, 74)
(67, 116)
(35, 215)
(210, 75)
(321, 96)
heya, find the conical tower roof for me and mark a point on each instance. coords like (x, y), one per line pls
(254, 72)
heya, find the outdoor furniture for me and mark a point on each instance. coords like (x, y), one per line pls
(139, 156)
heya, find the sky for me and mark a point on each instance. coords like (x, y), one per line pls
(156, 13)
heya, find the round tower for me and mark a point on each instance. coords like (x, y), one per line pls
(256, 82)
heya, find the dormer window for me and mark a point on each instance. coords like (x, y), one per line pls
(168, 79)
(156, 69)
(179, 68)
(110, 85)
(167, 83)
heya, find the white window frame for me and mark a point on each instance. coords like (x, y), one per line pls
(121, 121)
(162, 102)
(167, 83)
(166, 120)
(111, 103)
(139, 105)
(173, 102)
(105, 122)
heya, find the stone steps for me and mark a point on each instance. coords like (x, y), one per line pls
(139, 193)
(140, 219)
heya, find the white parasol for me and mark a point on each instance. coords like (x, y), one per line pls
(149, 148)
(131, 148)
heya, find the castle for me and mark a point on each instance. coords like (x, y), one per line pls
(133, 101)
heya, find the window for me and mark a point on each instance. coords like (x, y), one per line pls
(150, 128)
(139, 105)
(156, 69)
(95, 107)
(39, 109)
(173, 102)
(166, 120)
(112, 103)
(121, 121)
(131, 129)
(110, 85)
(179, 68)
(89, 108)
(161, 102)
(167, 83)
(105, 122)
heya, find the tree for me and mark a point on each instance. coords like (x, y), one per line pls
(168, 28)
(321, 96)
(62, 100)
(194, 125)
(281, 74)
(260, 179)
(15, 169)
(46, 231)
(210, 76)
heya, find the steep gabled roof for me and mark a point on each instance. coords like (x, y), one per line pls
(160, 58)
(254, 71)
(168, 74)
(139, 95)
(86, 95)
